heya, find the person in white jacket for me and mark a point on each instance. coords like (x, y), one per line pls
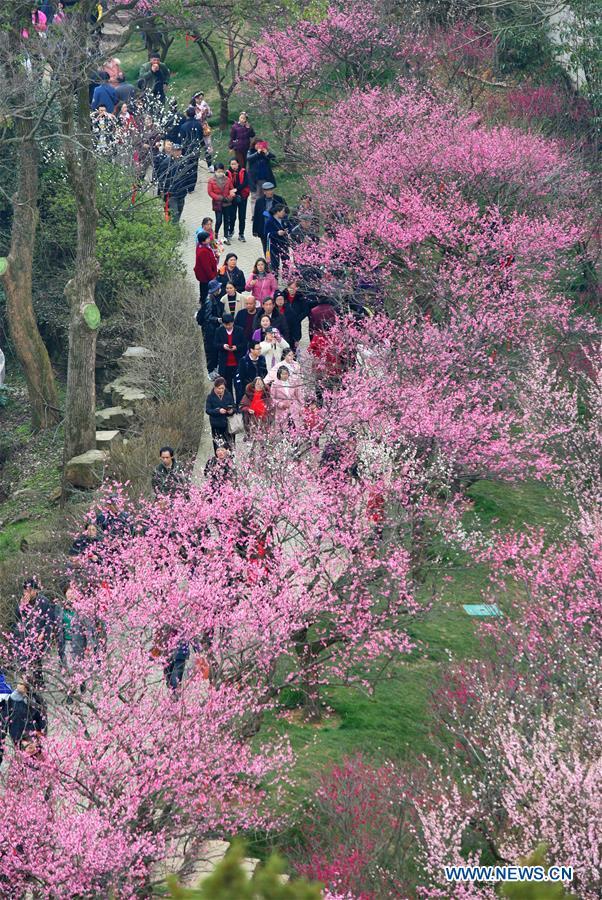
(272, 347)
(289, 360)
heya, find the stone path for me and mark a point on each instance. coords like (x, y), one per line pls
(197, 206)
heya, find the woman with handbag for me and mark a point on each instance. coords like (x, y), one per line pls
(240, 139)
(219, 188)
(220, 407)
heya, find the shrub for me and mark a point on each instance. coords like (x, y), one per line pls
(161, 321)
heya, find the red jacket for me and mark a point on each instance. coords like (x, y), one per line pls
(205, 267)
(240, 182)
(219, 196)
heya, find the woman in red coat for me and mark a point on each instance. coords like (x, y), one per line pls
(205, 266)
(222, 193)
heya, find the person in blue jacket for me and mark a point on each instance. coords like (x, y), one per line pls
(104, 94)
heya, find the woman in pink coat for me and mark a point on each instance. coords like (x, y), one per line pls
(287, 402)
(261, 282)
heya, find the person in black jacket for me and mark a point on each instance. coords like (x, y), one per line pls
(213, 310)
(38, 624)
(264, 205)
(219, 406)
(268, 308)
(245, 319)
(230, 346)
(251, 366)
(230, 272)
(180, 178)
(26, 715)
(299, 310)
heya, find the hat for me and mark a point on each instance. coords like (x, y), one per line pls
(214, 286)
(176, 146)
(201, 235)
(268, 186)
(270, 330)
(227, 318)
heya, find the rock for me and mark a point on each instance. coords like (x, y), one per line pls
(86, 470)
(114, 417)
(125, 392)
(137, 353)
(107, 439)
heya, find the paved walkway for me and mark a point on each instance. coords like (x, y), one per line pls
(198, 205)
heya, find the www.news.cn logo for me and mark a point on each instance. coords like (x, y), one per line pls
(508, 873)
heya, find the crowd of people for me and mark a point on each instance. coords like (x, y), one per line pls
(251, 324)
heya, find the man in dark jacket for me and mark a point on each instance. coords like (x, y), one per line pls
(298, 306)
(168, 476)
(213, 310)
(264, 204)
(230, 346)
(251, 366)
(154, 77)
(277, 236)
(104, 94)
(178, 181)
(245, 318)
(268, 308)
(38, 624)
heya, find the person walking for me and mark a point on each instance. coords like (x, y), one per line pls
(251, 366)
(240, 139)
(205, 265)
(255, 406)
(240, 183)
(272, 347)
(261, 282)
(230, 346)
(27, 719)
(285, 395)
(104, 94)
(213, 310)
(277, 237)
(264, 205)
(38, 623)
(177, 182)
(219, 406)
(219, 188)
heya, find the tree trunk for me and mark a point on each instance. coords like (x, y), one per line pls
(17, 280)
(80, 405)
(224, 113)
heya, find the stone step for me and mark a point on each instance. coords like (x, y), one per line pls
(114, 417)
(87, 469)
(124, 392)
(105, 440)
